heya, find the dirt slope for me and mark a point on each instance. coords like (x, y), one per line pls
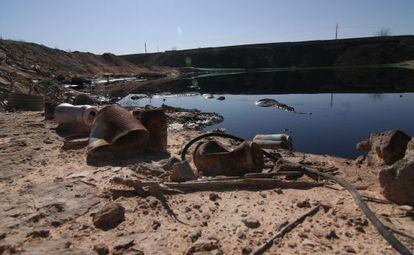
(25, 62)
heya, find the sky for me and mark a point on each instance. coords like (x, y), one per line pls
(125, 26)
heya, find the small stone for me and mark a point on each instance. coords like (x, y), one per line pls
(214, 196)
(251, 222)
(262, 194)
(101, 249)
(308, 242)
(203, 246)
(110, 216)
(181, 172)
(47, 141)
(405, 208)
(303, 235)
(123, 243)
(292, 245)
(331, 235)
(155, 224)
(194, 235)
(303, 204)
(241, 235)
(278, 191)
(349, 249)
(153, 202)
(247, 249)
(326, 207)
(39, 233)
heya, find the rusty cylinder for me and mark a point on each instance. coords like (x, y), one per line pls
(155, 121)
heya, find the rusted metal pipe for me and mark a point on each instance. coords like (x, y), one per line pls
(76, 117)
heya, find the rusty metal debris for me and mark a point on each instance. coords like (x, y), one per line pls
(212, 159)
(155, 120)
(25, 102)
(274, 141)
(117, 133)
(75, 117)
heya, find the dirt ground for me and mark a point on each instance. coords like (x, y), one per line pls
(48, 196)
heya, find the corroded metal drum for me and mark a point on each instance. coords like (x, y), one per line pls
(212, 159)
(75, 117)
(117, 133)
(155, 120)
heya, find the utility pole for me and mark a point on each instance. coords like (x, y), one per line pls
(336, 32)
(158, 50)
(145, 45)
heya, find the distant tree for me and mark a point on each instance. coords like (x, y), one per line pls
(383, 32)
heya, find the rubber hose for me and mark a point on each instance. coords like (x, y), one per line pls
(385, 233)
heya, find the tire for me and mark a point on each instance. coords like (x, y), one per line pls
(25, 102)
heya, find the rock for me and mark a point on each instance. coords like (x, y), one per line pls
(388, 146)
(251, 222)
(203, 246)
(39, 233)
(292, 245)
(181, 171)
(247, 250)
(214, 196)
(194, 235)
(303, 204)
(331, 235)
(166, 164)
(397, 181)
(155, 224)
(110, 216)
(153, 202)
(83, 99)
(221, 98)
(405, 208)
(364, 146)
(241, 235)
(124, 243)
(308, 243)
(410, 148)
(349, 249)
(101, 249)
(360, 159)
(278, 191)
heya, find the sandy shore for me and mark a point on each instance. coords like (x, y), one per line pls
(50, 194)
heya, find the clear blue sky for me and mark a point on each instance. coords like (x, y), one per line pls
(123, 26)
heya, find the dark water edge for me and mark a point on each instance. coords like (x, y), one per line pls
(341, 107)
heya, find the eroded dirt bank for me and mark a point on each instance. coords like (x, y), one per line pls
(49, 196)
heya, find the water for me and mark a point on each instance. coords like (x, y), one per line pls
(344, 107)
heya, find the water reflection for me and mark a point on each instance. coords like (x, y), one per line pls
(337, 119)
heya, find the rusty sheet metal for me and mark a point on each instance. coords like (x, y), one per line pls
(116, 132)
(155, 121)
(213, 158)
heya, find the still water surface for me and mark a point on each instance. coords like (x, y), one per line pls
(333, 123)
